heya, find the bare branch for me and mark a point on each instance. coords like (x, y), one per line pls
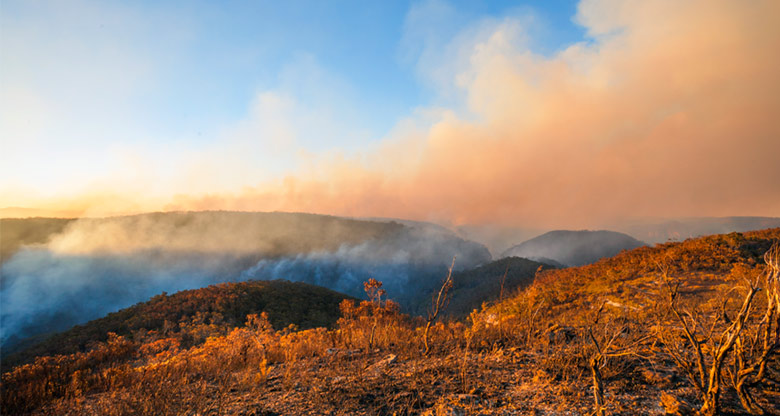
(438, 305)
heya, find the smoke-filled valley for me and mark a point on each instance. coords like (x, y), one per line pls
(266, 344)
(96, 266)
(57, 273)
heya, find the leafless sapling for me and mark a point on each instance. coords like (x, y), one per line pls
(375, 292)
(438, 304)
(607, 348)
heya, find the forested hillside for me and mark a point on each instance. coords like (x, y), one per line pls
(192, 315)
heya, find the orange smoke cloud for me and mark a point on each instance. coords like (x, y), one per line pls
(670, 111)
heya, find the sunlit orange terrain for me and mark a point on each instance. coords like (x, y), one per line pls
(676, 328)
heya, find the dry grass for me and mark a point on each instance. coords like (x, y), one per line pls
(530, 354)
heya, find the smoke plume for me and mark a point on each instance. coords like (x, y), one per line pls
(97, 266)
(667, 109)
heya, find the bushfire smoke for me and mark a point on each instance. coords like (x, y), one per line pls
(98, 266)
(667, 109)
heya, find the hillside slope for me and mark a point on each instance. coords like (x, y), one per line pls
(574, 248)
(222, 306)
(627, 276)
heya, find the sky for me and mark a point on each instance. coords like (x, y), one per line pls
(560, 113)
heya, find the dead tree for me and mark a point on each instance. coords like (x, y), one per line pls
(375, 292)
(596, 363)
(500, 301)
(705, 375)
(607, 349)
(437, 305)
(752, 354)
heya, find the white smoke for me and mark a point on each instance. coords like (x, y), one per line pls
(127, 260)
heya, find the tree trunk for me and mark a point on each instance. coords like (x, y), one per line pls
(598, 385)
(747, 400)
(425, 337)
(711, 405)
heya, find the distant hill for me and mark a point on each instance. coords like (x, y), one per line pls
(267, 233)
(23, 212)
(473, 287)
(574, 248)
(497, 238)
(19, 232)
(261, 233)
(223, 305)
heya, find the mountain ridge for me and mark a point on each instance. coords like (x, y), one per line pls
(574, 248)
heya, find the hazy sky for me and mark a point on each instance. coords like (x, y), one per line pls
(552, 112)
